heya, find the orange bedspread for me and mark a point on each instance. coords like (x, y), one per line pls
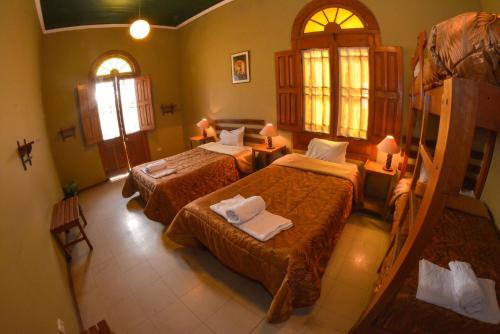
(198, 172)
(290, 265)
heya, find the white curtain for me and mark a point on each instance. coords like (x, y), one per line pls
(354, 92)
(317, 89)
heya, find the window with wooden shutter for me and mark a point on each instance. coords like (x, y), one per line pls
(387, 101)
(288, 90)
(144, 103)
(89, 115)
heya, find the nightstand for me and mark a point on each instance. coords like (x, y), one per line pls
(269, 153)
(377, 197)
(201, 140)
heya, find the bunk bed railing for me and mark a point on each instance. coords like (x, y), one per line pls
(460, 109)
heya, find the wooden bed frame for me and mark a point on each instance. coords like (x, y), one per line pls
(252, 128)
(480, 156)
(462, 106)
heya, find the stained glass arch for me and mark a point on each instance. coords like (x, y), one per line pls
(343, 18)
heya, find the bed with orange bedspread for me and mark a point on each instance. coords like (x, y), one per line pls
(290, 265)
(198, 172)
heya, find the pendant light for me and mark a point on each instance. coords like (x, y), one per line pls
(140, 28)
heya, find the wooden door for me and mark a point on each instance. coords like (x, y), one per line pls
(113, 156)
(137, 148)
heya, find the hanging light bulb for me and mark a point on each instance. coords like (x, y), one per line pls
(140, 28)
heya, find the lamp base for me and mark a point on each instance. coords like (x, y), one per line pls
(388, 163)
(269, 143)
(388, 169)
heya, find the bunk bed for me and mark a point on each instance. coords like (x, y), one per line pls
(198, 172)
(434, 220)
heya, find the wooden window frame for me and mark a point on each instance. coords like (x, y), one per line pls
(333, 38)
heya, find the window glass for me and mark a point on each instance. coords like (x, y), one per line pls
(129, 106)
(354, 79)
(317, 90)
(343, 17)
(106, 104)
(114, 65)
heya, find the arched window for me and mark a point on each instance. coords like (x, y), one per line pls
(114, 63)
(340, 17)
(337, 81)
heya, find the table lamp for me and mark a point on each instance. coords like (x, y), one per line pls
(269, 131)
(204, 125)
(389, 146)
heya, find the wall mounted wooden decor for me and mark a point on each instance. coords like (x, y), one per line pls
(66, 133)
(25, 152)
(168, 108)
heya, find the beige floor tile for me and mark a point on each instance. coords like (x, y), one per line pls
(324, 321)
(175, 318)
(141, 276)
(125, 315)
(346, 300)
(205, 300)
(233, 318)
(202, 329)
(181, 280)
(144, 327)
(155, 297)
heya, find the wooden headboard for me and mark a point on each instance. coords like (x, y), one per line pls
(252, 128)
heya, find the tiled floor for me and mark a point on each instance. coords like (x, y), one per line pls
(141, 282)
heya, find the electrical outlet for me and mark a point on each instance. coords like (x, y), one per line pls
(60, 326)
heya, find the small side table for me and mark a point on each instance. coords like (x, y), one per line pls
(201, 140)
(376, 204)
(269, 153)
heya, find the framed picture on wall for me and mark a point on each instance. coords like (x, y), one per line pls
(240, 67)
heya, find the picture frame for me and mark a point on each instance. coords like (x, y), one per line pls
(240, 67)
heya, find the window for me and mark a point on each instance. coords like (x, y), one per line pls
(337, 82)
(354, 92)
(339, 16)
(114, 66)
(316, 66)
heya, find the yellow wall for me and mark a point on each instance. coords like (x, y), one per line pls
(67, 57)
(264, 27)
(492, 6)
(33, 276)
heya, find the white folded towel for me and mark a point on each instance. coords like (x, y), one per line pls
(435, 286)
(469, 295)
(262, 226)
(224, 205)
(265, 225)
(155, 166)
(245, 210)
(161, 173)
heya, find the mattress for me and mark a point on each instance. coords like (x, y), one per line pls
(290, 265)
(465, 46)
(197, 173)
(458, 236)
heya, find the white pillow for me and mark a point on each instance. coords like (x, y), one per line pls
(327, 150)
(424, 176)
(233, 138)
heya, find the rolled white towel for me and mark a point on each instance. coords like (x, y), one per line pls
(155, 166)
(245, 210)
(466, 286)
(221, 207)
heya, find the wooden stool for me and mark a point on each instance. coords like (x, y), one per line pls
(66, 215)
(101, 328)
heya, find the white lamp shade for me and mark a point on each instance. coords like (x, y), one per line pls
(203, 124)
(269, 131)
(139, 29)
(388, 145)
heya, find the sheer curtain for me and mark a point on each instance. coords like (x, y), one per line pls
(317, 89)
(354, 92)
